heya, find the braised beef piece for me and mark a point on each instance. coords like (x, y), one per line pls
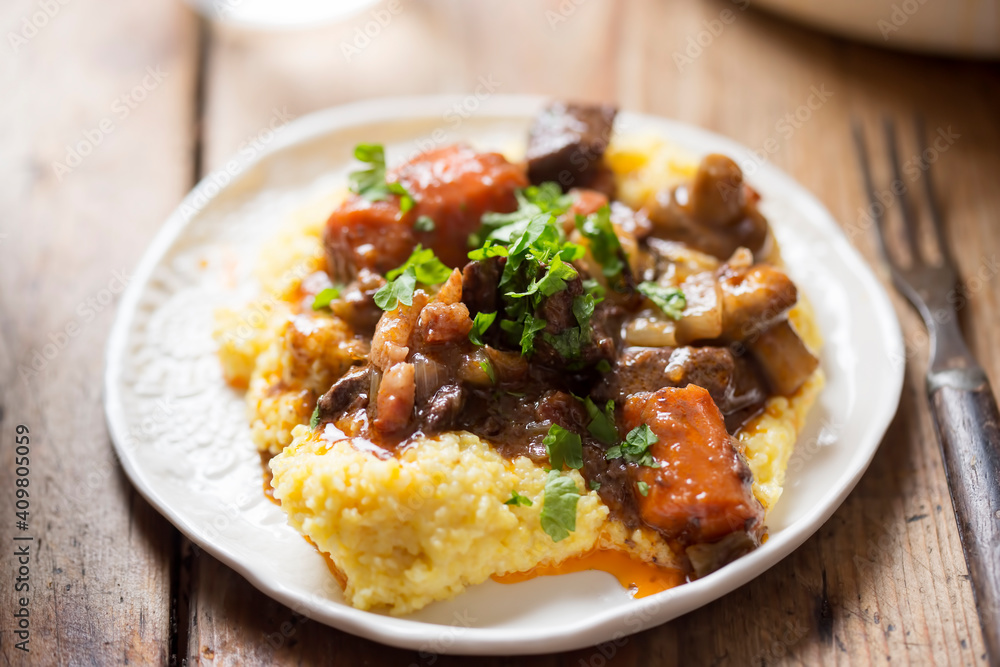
(615, 483)
(516, 418)
(715, 213)
(359, 308)
(348, 393)
(567, 143)
(733, 381)
(560, 321)
(443, 409)
(480, 284)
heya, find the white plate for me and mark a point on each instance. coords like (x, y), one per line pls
(183, 439)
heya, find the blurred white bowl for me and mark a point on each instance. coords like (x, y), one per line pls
(952, 27)
(280, 14)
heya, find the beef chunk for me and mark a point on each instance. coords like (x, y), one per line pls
(348, 393)
(480, 284)
(440, 412)
(563, 343)
(567, 144)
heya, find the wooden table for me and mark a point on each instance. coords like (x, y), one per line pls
(162, 96)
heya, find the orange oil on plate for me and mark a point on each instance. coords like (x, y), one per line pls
(640, 577)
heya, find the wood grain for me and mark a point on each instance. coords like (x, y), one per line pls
(100, 579)
(883, 582)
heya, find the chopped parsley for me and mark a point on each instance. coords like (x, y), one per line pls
(422, 267)
(594, 485)
(668, 299)
(480, 324)
(635, 449)
(370, 183)
(314, 420)
(567, 342)
(643, 488)
(603, 242)
(489, 249)
(603, 366)
(602, 423)
(517, 499)
(538, 266)
(488, 369)
(526, 330)
(559, 507)
(563, 447)
(325, 296)
(424, 223)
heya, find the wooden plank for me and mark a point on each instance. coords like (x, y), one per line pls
(885, 577)
(114, 84)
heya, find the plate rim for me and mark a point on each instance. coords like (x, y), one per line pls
(406, 633)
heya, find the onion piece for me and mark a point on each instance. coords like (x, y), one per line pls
(702, 318)
(429, 376)
(650, 332)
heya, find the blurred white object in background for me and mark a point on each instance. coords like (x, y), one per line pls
(279, 14)
(951, 27)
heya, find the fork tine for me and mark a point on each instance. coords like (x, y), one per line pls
(909, 222)
(929, 193)
(876, 208)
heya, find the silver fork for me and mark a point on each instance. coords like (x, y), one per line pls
(962, 403)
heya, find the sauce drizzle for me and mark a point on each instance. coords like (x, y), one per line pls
(638, 577)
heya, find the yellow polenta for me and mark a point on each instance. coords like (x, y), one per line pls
(408, 530)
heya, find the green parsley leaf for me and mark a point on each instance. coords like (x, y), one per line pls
(568, 342)
(424, 223)
(668, 299)
(563, 447)
(324, 297)
(602, 424)
(488, 250)
(405, 200)
(594, 485)
(314, 420)
(643, 488)
(480, 324)
(555, 277)
(428, 269)
(559, 506)
(583, 310)
(397, 291)
(517, 499)
(538, 261)
(604, 243)
(370, 183)
(548, 197)
(553, 281)
(421, 267)
(532, 325)
(373, 153)
(488, 369)
(635, 449)
(603, 366)
(594, 288)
